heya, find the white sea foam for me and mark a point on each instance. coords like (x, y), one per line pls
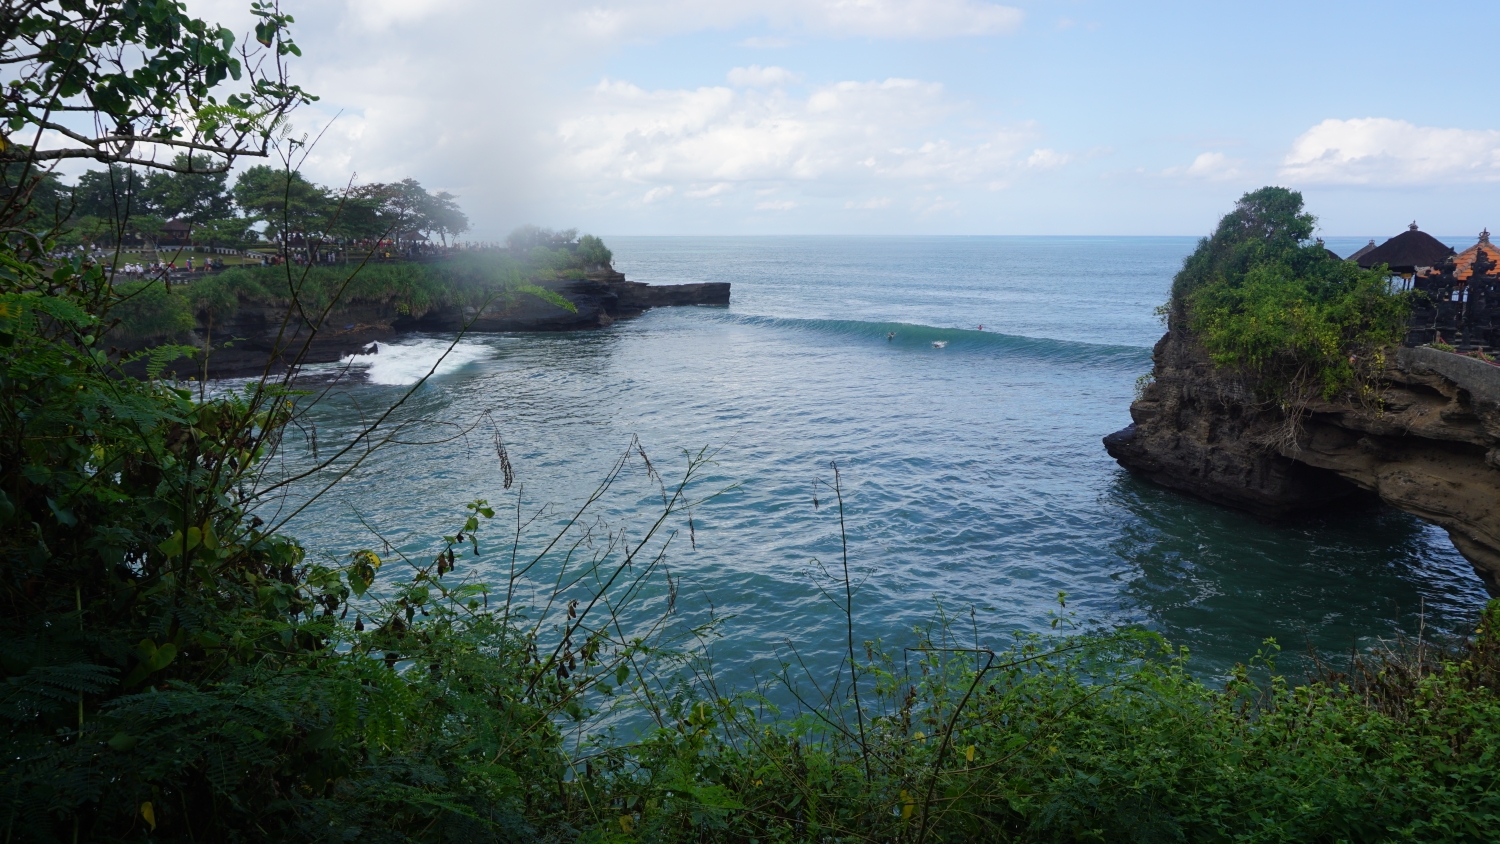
(400, 364)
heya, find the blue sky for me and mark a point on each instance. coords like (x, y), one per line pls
(908, 116)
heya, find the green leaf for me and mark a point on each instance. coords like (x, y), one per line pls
(63, 515)
(171, 546)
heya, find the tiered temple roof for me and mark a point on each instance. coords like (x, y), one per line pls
(1463, 263)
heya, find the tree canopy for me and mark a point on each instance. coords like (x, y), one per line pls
(1266, 225)
(1267, 301)
(193, 192)
(105, 203)
(122, 80)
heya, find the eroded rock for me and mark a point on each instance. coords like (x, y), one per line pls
(1429, 444)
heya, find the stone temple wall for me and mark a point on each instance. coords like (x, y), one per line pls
(1457, 311)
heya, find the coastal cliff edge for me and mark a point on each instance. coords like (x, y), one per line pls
(256, 335)
(1428, 445)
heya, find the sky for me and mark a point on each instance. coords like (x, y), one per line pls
(878, 117)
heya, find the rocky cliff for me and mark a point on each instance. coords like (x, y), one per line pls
(1429, 444)
(262, 335)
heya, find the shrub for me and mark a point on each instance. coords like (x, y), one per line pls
(1296, 321)
(149, 310)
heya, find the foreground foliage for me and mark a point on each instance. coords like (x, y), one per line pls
(1269, 302)
(178, 669)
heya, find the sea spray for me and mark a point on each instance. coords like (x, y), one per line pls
(405, 363)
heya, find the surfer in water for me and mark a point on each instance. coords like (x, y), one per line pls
(889, 337)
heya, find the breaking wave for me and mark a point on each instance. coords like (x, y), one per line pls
(405, 363)
(957, 340)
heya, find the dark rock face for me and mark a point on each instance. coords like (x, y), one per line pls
(1430, 446)
(264, 338)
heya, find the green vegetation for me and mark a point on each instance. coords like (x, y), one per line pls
(177, 668)
(119, 204)
(152, 312)
(1267, 301)
(295, 209)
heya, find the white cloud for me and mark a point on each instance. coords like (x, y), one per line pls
(912, 18)
(1214, 166)
(842, 137)
(873, 204)
(384, 14)
(713, 190)
(840, 18)
(1381, 151)
(776, 205)
(517, 141)
(756, 76)
(1047, 159)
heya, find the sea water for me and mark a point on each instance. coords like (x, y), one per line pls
(973, 476)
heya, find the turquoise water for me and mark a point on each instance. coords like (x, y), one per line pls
(973, 474)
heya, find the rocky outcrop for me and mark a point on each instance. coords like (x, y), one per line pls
(262, 336)
(1429, 444)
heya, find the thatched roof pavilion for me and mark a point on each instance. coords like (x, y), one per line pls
(1362, 251)
(1408, 251)
(1463, 264)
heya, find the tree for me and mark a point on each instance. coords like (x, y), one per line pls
(444, 217)
(192, 191)
(46, 199)
(404, 207)
(593, 251)
(120, 80)
(291, 207)
(112, 194)
(1266, 301)
(1265, 225)
(230, 231)
(358, 216)
(88, 231)
(148, 227)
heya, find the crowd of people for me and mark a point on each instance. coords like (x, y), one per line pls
(170, 269)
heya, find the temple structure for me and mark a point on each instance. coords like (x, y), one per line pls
(1408, 254)
(1461, 305)
(1363, 250)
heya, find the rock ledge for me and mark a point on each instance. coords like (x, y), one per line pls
(1430, 446)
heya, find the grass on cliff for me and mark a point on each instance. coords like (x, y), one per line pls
(1267, 301)
(152, 311)
(178, 668)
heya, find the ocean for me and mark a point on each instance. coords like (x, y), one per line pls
(973, 477)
